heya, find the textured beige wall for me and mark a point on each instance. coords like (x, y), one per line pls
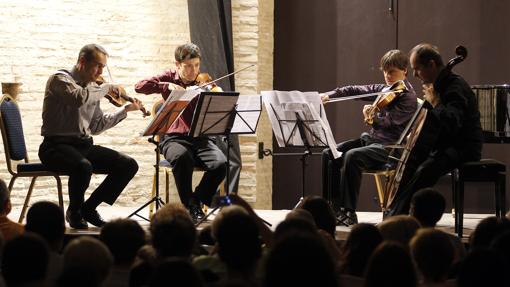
(39, 37)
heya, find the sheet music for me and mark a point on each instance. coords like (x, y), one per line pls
(282, 107)
(248, 114)
(169, 111)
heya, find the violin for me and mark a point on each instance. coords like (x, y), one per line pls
(384, 100)
(120, 99)
(205, 82)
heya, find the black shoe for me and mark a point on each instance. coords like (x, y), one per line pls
(75, 219)
(93, 217)
(196, 212)
(347, 217)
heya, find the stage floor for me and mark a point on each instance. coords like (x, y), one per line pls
(272, 216)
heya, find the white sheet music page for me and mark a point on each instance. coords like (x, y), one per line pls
(284, 108)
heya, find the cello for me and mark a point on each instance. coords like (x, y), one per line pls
(421, 134)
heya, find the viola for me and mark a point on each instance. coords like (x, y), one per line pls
(384, 100)
(206, 83)
(120, 99)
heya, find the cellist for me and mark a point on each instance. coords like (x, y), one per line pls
(451, 101)
(341, 178)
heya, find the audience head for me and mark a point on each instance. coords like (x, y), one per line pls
(47, 219)
(25, 260)
(483, 267)
(399, 228)
(322, 213)
(300, 213)
(299, 260)
(123, 237)
(358, 247)
(176, 272)
(433, 253)
(88, 257)
(173, 232)
(5, 202)
(486, 230)
(427, 206)
(237, 236)
(390, 265)
(290, 227)
(501, 245)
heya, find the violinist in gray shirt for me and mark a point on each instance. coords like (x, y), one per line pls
(341, 178)
(71, 115)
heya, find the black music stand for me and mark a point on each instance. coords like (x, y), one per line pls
(214, 115)
(169, 111)
(300, 126)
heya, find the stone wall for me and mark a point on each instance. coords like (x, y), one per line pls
(39, 37)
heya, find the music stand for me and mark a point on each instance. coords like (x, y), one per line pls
(214, 115)
(298, 120)
(169, 111)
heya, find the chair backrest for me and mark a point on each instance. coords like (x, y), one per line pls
(12, 131)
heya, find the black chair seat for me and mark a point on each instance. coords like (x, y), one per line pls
(31, 167)
(483, 170)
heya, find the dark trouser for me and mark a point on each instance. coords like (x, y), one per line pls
(80, 158)
(341, 178)
(184, 153)
(235, 160)
(413, 179)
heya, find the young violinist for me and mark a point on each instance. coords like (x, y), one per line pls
(341, 178)
(452, 103)
(182, 151)
(71, 115)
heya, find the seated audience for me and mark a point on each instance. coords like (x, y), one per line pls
(87, 262)
(25, 261)
(123, 237)
(322, 213)
(390, 265)
(433, 253)
(428, 206)
(8, 228)
(487, 230)
(483, 267)
(47, 220)
(399, 228)
(175, 272)
(358, 248)
(238, 243)
(299, 260)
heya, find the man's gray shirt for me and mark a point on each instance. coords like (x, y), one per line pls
(72, 109)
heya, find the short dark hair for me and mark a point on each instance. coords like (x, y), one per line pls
(46, 219)
(25, 259)
(394, 58)
(187, 51)
(428, 206)
(123, 237)
(322, 213)
(425, 52)
(88, 52)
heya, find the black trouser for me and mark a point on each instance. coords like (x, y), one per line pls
(341, 177)
(184, 153)
(80, 158)
(425, 175)
(235, 160)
